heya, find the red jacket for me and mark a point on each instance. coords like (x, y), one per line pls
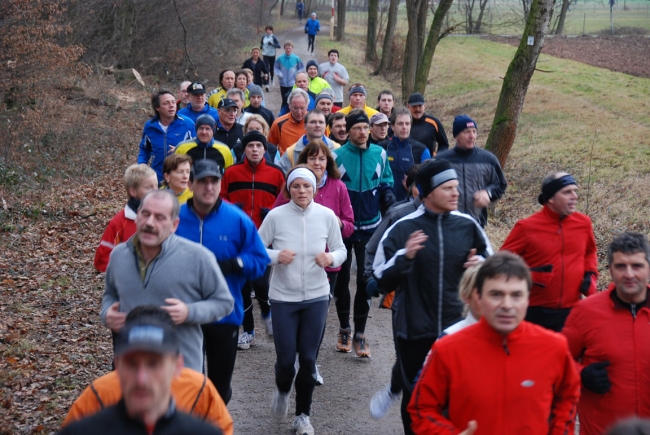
(509, 385)
(601, 328)
(254, 189)
(119, 229)
(559, 253)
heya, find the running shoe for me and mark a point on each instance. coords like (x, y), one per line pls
(245, 340)
(302, 426)
(280, 405)
(382, 401)
(319, 378)
(344, 343)
(269, 325)
(267, 88)
(361, 348)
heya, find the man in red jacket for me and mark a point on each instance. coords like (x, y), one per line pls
(501, 375)
(254, 184)
(609, 337)
(559, 246)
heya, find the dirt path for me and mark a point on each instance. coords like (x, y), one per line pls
(341, 404)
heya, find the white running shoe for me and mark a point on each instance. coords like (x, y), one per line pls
(279, 405)
(245, 340)
(382, 401)
(302, 426)
(269, 326)
(319, 378)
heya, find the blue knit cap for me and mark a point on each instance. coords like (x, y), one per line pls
(462, 122)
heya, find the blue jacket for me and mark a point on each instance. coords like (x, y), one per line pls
(229, 234)
(312, 26)
(189, 112)
(155, 143)
(286, 68)
(368, 177)
(401, 156)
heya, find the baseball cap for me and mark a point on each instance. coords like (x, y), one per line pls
(196, 88)
(226, 103)
(205, 168)
(379, 118)
(147, 333)
(416, 99)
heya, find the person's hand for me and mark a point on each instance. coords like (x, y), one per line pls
(481, 199)
(114, 318)
(471, 428)
(595, 377)
(472, 259)
(324, 259)
(286, 256)
(414, 243)
(340, 222)
(172, 148)
(177, 309)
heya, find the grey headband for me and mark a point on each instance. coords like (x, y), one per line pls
(443, 177)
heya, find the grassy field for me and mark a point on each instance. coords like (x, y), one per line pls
(585, 120)
(505, 17)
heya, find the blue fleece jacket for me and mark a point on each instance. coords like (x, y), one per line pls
(228, 233)
(312, 26)
(189, 112)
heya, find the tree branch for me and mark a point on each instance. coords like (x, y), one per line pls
(187, 54)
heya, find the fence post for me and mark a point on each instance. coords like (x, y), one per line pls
(584, 20)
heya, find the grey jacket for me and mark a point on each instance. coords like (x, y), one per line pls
(183, 270)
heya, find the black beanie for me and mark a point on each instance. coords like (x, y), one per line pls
(462, 122)
(355, 118)
(254, 136)
(432, 174)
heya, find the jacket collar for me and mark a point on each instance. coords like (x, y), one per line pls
(214, 209)
(617, 303)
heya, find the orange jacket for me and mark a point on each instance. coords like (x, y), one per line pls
(600, 328)
(510, 385)
(194, 393)
(285, 132)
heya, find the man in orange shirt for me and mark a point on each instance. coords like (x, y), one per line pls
(287, 129)
(502, 375)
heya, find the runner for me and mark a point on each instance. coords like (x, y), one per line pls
(357, 95)
(259, 68)
(300, 233)
(227, 82)
(204, 146)
(256, 97)
(312, 27)
(241, 83)
(198, 105)
(268, 45)
(314, 130)
(286, 67)
(257, 123)
(176, 171)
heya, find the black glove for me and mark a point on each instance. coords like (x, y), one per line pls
(230, 265)
(372, 288)
(586, 282)
(594, 377)
(263, 212)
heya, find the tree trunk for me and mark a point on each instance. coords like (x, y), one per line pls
(432, 42)
(411, 52)
(422, 29)
(387, 50)
(560, 24)
(125, 23)
(371, 35)
(515, 83)
(282, 8)
(477, 27)
(340, 18)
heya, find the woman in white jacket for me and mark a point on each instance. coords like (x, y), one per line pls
(299, 232)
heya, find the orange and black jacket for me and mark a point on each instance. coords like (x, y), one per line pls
(430, 132)
(193, 392)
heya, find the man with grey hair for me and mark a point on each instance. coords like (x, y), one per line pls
(228, 131)
(183, 95)
(287, 129)
(157, 267)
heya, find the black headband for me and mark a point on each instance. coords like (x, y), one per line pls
(550, 189)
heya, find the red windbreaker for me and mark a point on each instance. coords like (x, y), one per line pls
(558, 252)
(601, 328)
(254, 189)
(510, 385)
(120, 229)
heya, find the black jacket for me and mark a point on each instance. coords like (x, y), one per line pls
(263, 112)
(426, 300)
(230, 137)
(430, 132)
(477, 169)
(259, 69)
(115, 420)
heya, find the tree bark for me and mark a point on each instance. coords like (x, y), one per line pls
(340, 18)
(125, 22)
(411, 49)
(371, 35)
(560, 23)
(387, 50)
(479, 21)
(515, 83)
(430, 48)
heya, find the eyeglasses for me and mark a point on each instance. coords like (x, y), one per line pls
(298, 109)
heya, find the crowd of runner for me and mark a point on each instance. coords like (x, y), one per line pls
(229, 201)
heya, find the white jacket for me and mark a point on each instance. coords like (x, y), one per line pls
(306, 232)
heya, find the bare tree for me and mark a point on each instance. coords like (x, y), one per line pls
(515, 83)
(387, 52)
(416, 12)
(430, 48)
(371, 31)
(340, 18)
(560, 22)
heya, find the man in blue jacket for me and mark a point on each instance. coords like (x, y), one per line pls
(163, 132)
(231, 235)
(198, 103)
(312, 27)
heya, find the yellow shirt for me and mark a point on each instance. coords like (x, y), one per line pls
(369, 110)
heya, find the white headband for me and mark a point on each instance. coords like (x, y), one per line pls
(303, 173)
